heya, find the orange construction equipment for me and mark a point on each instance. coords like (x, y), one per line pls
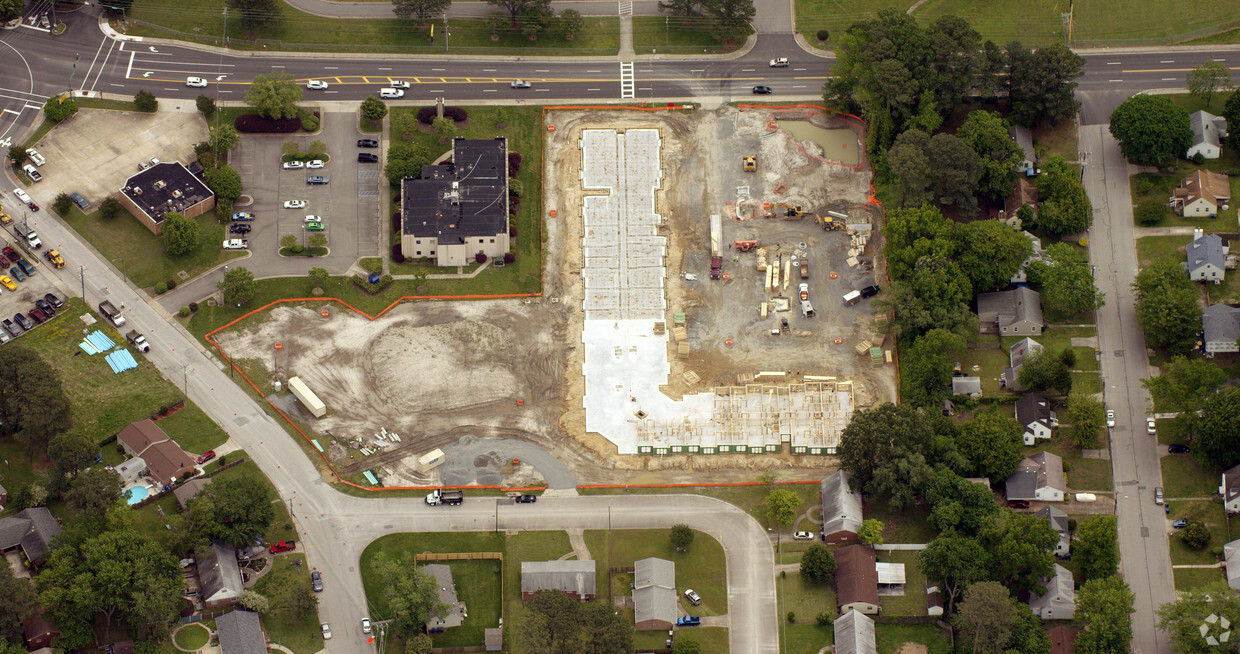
(743, 246)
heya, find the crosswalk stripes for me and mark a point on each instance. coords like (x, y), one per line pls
(628, 86)
(626, 8)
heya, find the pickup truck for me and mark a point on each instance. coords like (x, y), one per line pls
(804, 289)
(111, 313)
(716, 267)
(137, 340)
(33, 173)
(36, 157)
(53, 257)
(441, 496)
(236, 244)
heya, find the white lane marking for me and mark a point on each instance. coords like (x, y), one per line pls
(130, 69)
(121, 85)
(275, 66)
(438, 70)
(594, 89)
(594, 71)
(1114, 63)
(697, 70)
(385, 68)
(542, 90)
(436, 90)
(12, 111)
(488, 70)
(801, 69)
(490, 90)
(331, 91)
(1167, 61)
(1115, 80)
(1169, 79)
(542, 70)
(645, 88)
(331, 67)
(747, 70)
(801, 86)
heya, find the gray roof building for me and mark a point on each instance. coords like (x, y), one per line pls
(165, 188)
(1024, 138)
(186, 492)
(1208, 134)
(854, 634)
(32, 530)
(1058, 602)
(219, 576)
(1230, 489)
(841, 509)
(1220, 326)
(1059, 522)
(446, 588)
(1039, 477)
(241, 632)
(1017, 354)
(576, 578)
(1016, 312)
(1206, 258)
(493, 639)
(1231, 561)
(654, 594)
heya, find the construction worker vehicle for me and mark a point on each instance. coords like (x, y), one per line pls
(791, 210)
(743, 246)
(751, 164)
(53, 257)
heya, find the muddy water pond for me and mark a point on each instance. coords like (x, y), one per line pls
(837, 144)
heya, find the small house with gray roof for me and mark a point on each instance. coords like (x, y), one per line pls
(1220, 328)
(1017, 354)
(1038, 478)
(1208, 134)
(241, 632)
(1058, 600)
(572, 577)
(1058, 521)
(31, 531)
(841, 509)
(654, 594)
(1230, 490)
(854, 634)
(1024, 138)
(1017, 312)
(1206, 258)
(219, 576)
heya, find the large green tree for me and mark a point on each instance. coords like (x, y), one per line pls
(986, 132)
(1042, 84)
(928, 364)
(32, 398)
(404, 160)
(178, 234)
(954, 562)
(1097, 547)
(274, 95)
(818, 564)
(419, 11)
(1183, 618)
(1065, 280)
(238, 286)
(729, 18)
(10, 9)
(990, 252)
(1021, 544)
(233, 509)
(1209, 78)
(1047, 370)
(1064, 207)
(18, 598)
(781, 506)
(992, 442)
(957, 169)
(1151, 129)
(935, 296)
(374, 109)
(959, 504)
(985, 618)
(915, 233)
(1105, 606)
(1183, 388)
(909, 163)
(886, 449)
(1086, 415)
(1218, 432)
(412, 593)
(518, 8)
(1231, 111)
(1167, 308)
(557, 624)
(225, 182)
(91, 494)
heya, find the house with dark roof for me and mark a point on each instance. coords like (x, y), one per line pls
(1230, 489)
(1033, 412)
(1017, 354)
(654, 594)
(187, 491)
(241, 632)
(1206, 258)
(856, 580)
(1016, 312)
(1208, 134)
(1024, 138)
(1038, 478)
(1201, 193)
(1058, 600)
(460, 208)
(165, 460)
(31, 531)
(854, 634)
(841, 509)
(219, 576)
(572, 577)
(1059, 522)
(167, 187)
(39, 630)
(1220, 327)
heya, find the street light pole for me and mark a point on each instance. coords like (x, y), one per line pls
(73, 72)
(185, 384)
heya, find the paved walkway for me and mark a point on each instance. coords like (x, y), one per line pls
(577, 538)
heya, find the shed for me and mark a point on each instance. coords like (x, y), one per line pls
(971, 386)
(431, 460)
(307, 397)
(891, 578)
(130, 470)
(493, 639)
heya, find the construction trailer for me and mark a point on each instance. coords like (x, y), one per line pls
(716, 239)
(308, 399)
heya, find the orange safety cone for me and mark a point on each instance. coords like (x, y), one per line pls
(839, 341)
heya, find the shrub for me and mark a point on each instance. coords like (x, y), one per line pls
(792, 616)
(512, 231)
(172, 283)
(457, 114)
(396, 221)
(514, 163)
(62, 204)
(223, 208)
(823, 35)
(206, 104)
(161, 288)
(1144, 184)
(184, 311)
(1196, 535)
(509, 257)
(397, 255)
(823, 618)
(298, 248)
(256, 124)
(426, 115)
(1150, 213)
(145, 101)
(193, 306)
(109, 207)
(1199, 158)
(481, 257)
(57, 109)
(310, 123)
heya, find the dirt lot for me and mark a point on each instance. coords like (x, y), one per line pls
(436, 371)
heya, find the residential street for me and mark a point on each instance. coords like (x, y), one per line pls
(1143, 526)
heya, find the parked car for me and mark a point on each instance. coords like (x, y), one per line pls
(239, 228)
(8, 283)
(236, 244)
(37, 316)
(367, 143)
(391, 94)
(1018, 504)
(11, 254)
(1179, 524)
(316, 581)
(283, 546)
(317, 163)
(1158, 493)
(26, 267)
(314, 219)
(367, 157)
(316, 179)
(327, 632)
(316, 227)
(195, 82)
(47, 309)
(1150, 426)
(35, 157)
(25, 198)
(22, 320)
(79, 200)
(519, 84)
(11, 328)
(206, 456)
(294, 165)
(1110, 418)
(53, 300)
(317, 85)
(870, 291)
(803, 535)
(365, 625)
(16, 272)
(243, 215)
(688, 621)
(32, 173)
(527, 499)
(1177, 448)
(762, 90)
(693, 597)
(779, 62)
(294, 204)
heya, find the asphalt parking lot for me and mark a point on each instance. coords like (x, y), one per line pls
(33, 288)
(348, 203)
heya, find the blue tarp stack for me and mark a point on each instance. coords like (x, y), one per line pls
(97, 342)
(120, 361)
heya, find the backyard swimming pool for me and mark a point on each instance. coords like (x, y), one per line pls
(137, 494)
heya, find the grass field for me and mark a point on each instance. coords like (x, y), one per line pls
(1082, 474)
(751, 499)
(302, 636)
(711, 639)
(807, 600)
(137, 253)
(204, 22)
(192, 637)
(1208, 512)
(1190, 578)
(913, 602)
(666, 34)
(1184, 477)
(478, 585)
(701, 568)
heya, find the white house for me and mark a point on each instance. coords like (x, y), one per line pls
(1039, 478)
(1058, 601)
(1033, 412)
(1206, 258)
(1059, 522)
(1230, 490)
(1201, 194)
(1208, 134)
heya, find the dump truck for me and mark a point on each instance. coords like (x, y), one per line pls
(443, 496)
(716, 237)
(53, 257)
(111, 313)
(31, 237)
(137, 340)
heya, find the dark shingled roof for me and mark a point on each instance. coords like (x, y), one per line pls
(856, 577)
(33, 529)
(466, 198)
(165, 187)
(241, 632)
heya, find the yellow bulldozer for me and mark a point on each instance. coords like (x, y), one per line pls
(751, 164)
(829, 224)
(791, 210)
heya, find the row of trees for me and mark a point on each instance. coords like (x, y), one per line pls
(1207, 413)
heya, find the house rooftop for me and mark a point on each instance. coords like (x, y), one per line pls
(167, 187)
(241, 632)
(30, 529)
(1207, 128)
(841, 507)
(1006, 307)
(570, 576)
(1204, 184)
(1220, 322)
(1205, 250)
(654, 590)
(1041, 470)
(856, 577)
(1032, 408)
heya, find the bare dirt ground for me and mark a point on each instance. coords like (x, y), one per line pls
(450, 375)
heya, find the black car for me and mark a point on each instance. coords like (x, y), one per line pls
(527, 499)
(37, 316)
(870, 291)
(367, 143)
(239, 228)
(53, 300)
(1177, 449)
(316, 581)
(45, 307)
(762, 90)
(22, 320)
(11, 328)
(367, 157)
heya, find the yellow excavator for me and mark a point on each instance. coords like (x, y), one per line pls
(829, 224)
(751, 164)
(793, 210)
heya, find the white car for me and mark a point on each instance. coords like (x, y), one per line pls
(327, 632)
(36, 157)
(21, 195)
(294, 204)
(317, 163)
(1110, 418)
(236, 244)
(195, 82)
(317, 85)
(803, 535)
(365, 625)
(519, 84)
(294, 165)
(314, 219)
(1150, 426)
(391, 93)
(781, 62)
(399, 84)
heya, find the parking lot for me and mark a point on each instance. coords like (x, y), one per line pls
(30, 290)
(348, 203)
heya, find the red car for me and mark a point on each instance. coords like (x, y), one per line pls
(11, 254)
(1018, 504)
(283, 546)
(206, 456)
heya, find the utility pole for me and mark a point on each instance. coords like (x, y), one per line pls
(82, 275)
(73, 71)
(185, 381)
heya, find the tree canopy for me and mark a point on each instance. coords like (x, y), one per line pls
(1183, 618)
(1042, 83)
(404, 159)
(985, 618)
(1065, 280)
(928, 365)
(32, 398)
(1184, 387)
(781, 506)
(887, 449)
(234, 509)
(1151, 129)
(558, 624)
(990, 252)
(274, 95)
(1209, 78)
(1167, 308)
(1105, 606)
(915, 233)
(818, 564)
(1218, 432)
(935, 296)
(993, 443)
(1087, 417)
(1065, 208)
(986, 132)
(1021, 544)
(238, 286)
(959, 504)
(179, 234)
(419, 10)
(1047, 370)
(1097, 547)
(257, 14)
(411, 593)
(954, 562)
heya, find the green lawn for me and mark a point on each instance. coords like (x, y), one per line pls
(1184, 477)
(1156, 188)
(891, 636)
(300, 635)
(711, 639)
(701, 568)
(478, 585)
(193, 430)
(908, 526)
(1209, 512)
(751, 499)
(665, 34)
(1058, 140)
(1057, 338)
(192, 636)
(137, 253)
(1190, 578)
(913, 602)
(1150, 248)
(805, 598)
(1169, 430)
(987, 364)
(204, 22)
(1082, 474)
